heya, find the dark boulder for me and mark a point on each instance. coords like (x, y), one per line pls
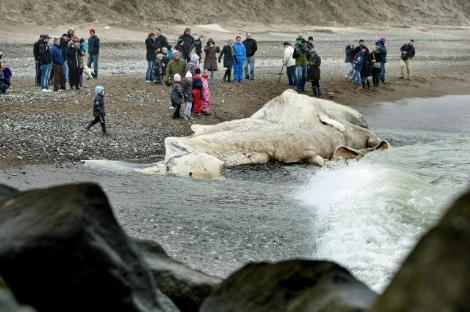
(8, 302)
(186, 287)
(436, 275)
(296, 285)
(61, 249)
(6, 190)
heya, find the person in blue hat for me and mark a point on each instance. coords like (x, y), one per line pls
(98, 110)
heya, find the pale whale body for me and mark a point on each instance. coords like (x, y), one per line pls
(290, 128)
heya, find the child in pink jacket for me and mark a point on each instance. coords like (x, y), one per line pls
(206, 95)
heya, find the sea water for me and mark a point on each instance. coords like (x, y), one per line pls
(368, 214)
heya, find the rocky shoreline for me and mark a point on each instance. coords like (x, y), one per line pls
(62, 249)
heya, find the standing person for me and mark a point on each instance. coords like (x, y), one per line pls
(240, 58)
(210, 62)
(206, 95)
(176, 95)
(160, 40)
(349, 60)
(310, 43)
(36, 59)
(198, 45)
(187, 86)
(289, 63)
(45, 63)
(186, 44)
(83, 50)
(366, 71)
(301, 61)
(380, 44)
(151, 55)
(93, 52)
(98, 110)
(5, 77)
(251, 47)
(376, 66)
(407, 53)
(197, 92)
(58, 65)
(158, 69)
(358, 62)
(175, 66)
(74, 53)
(193, 64)
(64, 43)
(228, 54)
(314, 64)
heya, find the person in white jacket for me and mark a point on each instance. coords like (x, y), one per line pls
(289, 63)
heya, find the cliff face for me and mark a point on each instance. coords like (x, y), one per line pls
(312, 12)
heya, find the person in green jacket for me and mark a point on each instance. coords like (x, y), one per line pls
(175, 66)
(301, 56)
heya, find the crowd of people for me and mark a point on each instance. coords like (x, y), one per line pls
(64, 61)
(189, 66)
(362, 64)
(181, 66)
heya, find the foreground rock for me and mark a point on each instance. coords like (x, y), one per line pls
(297, 285)
(186, 287)
(8, 302)
(6, 190)
(61, 249)
(290, 128)
(436, 275)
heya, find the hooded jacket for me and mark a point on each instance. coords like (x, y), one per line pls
(240, 52)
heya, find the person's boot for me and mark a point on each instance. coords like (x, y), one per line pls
(319, 92)
(315, 92)
(103, 128)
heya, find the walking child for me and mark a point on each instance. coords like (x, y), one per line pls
(176, 95)
(187, 86)
(98, 110)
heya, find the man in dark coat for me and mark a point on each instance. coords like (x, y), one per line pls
(349, 52)
(160, 40)
(229, 58)
(407, 53)
(45, 63)
(93, 52)
(314, 63)
(380, 44)
(186, 44)
(64, 42)
(360, 47)
(251, 47)
(36, 59)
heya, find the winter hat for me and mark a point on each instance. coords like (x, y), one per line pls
(177, 78)
(383, 40)
(188, 75)
(205, 75)
(310, 38)
(93, 30)
(99, 90)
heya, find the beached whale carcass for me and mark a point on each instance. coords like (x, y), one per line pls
(290, 128)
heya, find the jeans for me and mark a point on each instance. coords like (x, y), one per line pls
(301, 77)
(238, 71)
(93, 59)
(212, 77)
(45, 72)
(187, 109)
(356, 78)
(292, 75)
(149, 75)
(38, 74)
(66, 71)
(349, 70)
(382, 71)
(250, 62)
